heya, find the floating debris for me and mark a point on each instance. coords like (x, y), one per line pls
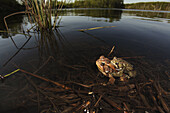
(94, 28)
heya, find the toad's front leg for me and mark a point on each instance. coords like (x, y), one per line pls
(111, 79)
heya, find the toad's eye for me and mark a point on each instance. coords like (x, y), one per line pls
(102, 64)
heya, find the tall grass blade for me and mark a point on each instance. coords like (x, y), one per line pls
(41, 12)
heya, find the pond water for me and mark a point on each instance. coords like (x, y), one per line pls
(136, 34)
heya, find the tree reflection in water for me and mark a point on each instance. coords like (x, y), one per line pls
(112, 15)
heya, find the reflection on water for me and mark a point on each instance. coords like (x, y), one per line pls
(112, 15)
(15, 24)
(75, 52)
(149, 14)
(50, 43)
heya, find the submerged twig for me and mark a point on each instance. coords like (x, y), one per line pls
(53, 89)
(84, 105)
(98, 100)
(126, 107)
(87, 86)
(164, 104)
(17, 52)
(40, 92)
(48, 80)
(113, 104)
(162, 90)
(155, 101)
(162, 101)
(142, 97)
(111, 50)
(50, 57)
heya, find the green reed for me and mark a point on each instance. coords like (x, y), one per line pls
(40, 12)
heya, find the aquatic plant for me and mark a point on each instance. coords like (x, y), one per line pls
(41, 11)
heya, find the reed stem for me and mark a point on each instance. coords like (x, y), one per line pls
(41, 12)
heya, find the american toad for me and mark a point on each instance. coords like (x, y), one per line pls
(116, 67)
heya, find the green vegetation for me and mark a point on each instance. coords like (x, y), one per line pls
(40, 13)
(97, 4)
(149, 6)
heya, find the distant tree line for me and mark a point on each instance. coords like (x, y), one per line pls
(97, 4)
(149, 6)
